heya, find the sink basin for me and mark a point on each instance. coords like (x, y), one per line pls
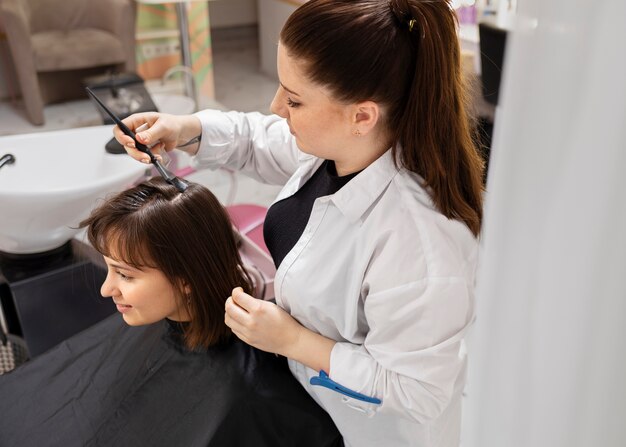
(54, 183)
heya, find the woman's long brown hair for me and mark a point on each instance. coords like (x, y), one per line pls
(404, 55)
(187, 236)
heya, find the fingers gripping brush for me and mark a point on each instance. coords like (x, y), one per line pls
(170, 178)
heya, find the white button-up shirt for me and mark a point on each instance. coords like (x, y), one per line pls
(379, 270)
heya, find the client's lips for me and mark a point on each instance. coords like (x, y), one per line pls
(123, 307)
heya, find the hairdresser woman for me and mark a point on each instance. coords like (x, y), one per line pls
(375, 231)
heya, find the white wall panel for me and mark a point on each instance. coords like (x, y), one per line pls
(548, 351)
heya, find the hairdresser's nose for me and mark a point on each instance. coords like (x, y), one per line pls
(279, 104)
(108, 288)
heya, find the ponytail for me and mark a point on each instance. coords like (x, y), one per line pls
(433, 127)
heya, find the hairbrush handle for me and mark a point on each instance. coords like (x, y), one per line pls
(167, 175)
(123, 127)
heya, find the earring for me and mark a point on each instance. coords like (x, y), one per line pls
(357, 132)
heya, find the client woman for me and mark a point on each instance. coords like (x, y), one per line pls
(173, 375)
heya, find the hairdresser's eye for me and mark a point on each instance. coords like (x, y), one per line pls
(291, 103)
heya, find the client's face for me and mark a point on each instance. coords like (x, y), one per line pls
(142, 296)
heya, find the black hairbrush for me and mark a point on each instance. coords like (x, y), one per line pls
(167, 175)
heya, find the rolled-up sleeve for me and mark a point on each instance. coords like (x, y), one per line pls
(260, 146)
(412, 355)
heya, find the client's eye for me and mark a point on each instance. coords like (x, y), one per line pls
(123, 276)
(291, 103)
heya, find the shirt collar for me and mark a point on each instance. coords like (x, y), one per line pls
(358, 194)
(356, 197)
(307, 168)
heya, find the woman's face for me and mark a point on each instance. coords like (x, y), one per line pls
(322, 126)
(142, 296)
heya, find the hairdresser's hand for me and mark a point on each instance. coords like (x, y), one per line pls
(269, 328)
(165, 132)
(261, 324)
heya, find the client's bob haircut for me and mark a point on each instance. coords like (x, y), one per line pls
(188, 236)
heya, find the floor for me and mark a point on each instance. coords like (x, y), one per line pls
(239, 85)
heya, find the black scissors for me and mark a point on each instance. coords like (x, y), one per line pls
(167, 175)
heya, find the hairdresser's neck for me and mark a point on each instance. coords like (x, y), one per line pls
(361, 152)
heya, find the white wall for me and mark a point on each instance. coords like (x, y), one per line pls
(272, 16)
(229, 13)
(548, 350)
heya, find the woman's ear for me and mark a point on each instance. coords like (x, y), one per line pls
(365, 116)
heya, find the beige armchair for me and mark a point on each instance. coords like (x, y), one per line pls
(56, 43)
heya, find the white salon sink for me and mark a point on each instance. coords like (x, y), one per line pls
(57, 178)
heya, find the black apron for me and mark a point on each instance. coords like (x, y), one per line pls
(115, 385)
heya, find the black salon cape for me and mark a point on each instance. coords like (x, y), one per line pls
(115, 385)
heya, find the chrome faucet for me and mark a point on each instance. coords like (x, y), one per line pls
(7, 159)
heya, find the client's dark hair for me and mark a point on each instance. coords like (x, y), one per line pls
(188, 236)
